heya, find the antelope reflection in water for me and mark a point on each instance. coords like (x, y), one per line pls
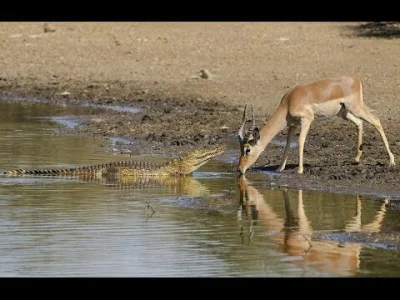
(294, 235)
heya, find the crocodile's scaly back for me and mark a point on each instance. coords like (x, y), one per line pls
(181, 166)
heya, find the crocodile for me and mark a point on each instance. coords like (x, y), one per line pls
(181, 166)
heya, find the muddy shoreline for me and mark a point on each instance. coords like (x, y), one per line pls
(173, 125)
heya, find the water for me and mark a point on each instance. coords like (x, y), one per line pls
(210, 225)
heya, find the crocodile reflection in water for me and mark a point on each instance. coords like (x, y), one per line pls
(294, 236)
(185, 185)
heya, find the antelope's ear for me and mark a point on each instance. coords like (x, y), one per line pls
(256, 135)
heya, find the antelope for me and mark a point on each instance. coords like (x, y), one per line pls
(324, 98)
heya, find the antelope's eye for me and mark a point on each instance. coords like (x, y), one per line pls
(247, 151)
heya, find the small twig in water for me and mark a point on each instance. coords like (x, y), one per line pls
(147, 208)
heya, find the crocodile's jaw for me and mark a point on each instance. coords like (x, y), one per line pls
(194, 160)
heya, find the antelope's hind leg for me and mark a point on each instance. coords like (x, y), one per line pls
(370, 118)
(345, 114)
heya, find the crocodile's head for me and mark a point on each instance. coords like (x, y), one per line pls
(194, 160)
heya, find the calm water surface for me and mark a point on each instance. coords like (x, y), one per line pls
(210, 225)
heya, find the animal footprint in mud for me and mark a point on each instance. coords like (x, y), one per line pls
(205, 74)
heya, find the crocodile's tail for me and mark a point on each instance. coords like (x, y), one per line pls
(91, 170)
(87, 170)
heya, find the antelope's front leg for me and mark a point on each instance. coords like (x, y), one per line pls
(285, 154)
(305, 126)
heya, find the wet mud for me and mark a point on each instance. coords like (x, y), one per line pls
(386, 241)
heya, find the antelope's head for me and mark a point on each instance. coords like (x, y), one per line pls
(250, 148)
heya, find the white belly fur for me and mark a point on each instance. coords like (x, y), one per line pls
(327, 109)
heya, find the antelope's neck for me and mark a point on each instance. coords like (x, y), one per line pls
(273, 126)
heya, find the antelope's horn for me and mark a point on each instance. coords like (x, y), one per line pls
(241, 129)
(254, 120)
